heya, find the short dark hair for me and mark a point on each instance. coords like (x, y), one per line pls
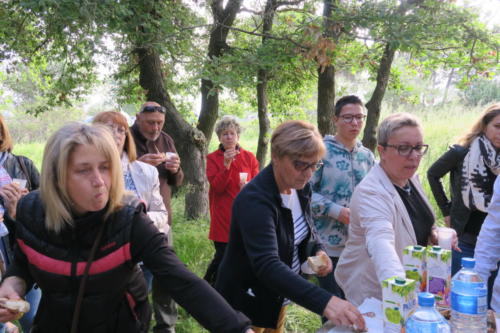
(343, 101)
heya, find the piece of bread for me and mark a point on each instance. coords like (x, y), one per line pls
(317, 263)
(16, 305)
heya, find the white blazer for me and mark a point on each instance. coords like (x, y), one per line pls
(379, 230)
(147, 183)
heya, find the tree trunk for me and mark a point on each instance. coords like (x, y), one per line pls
(448, 84)
(373, 105)
(189, 141)
(264, 123)
(326, 78)
(383, 73)
(326, 100)
(223, 20)
(262, 79)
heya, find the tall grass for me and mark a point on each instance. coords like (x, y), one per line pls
(441, 129)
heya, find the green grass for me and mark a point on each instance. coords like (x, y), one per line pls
(441, 129)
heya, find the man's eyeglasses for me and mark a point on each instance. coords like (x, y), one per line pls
(153, 108)
(348, 118)
(303, 166)
(405, 150)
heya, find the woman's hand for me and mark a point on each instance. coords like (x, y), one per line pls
(229, 155)
(11, 193)
(343, 313)
(345, 215)
(12, 288)
(454, 242)
(324, 270)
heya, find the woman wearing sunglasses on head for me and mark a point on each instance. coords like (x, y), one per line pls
(272, 233)
(389, 211)
(473, 165)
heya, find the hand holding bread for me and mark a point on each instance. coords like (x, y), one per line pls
(320, 264)
(18, 306)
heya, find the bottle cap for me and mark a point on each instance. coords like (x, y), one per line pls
(400, 280)
(436, 248)
(417, 247)
(425, 299)
(468, 262)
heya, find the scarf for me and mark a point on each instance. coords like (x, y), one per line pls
(482, 156)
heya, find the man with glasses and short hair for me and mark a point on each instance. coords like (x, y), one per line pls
(157, 148)
(345, 164)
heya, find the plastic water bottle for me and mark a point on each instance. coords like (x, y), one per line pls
(468, 300)
(426, 319)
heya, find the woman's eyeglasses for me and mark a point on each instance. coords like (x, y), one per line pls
(117, 129)
(405, 150)
(303, 166)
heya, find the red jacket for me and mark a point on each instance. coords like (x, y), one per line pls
(224, 186)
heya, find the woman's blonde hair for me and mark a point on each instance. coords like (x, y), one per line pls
(5, 138)
(480, 125)
(296, 138)
(56, 156)
(117, 118)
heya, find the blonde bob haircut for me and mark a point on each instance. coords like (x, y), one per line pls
(118, 119)
(479, 126)
(296, 138)
(394, 122)
(5, 138)
(56, 157)
(225, 123)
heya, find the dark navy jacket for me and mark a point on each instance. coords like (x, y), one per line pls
(255, 275)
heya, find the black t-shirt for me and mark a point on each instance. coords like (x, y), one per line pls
(420, 215)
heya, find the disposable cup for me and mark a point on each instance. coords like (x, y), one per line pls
(445, 237)
(20, 182)
(169, 155)
(243, 176)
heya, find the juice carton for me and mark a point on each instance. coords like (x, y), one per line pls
(415, 265)
(399, 301)
(439, 275)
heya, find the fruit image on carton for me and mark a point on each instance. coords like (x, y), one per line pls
(399, 301)
(439, 275)
(414, 263)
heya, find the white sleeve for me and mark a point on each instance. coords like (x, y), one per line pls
(376, 217)
(156, 209)
(487, 252)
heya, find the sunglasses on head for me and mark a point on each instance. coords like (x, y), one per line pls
(153, 108)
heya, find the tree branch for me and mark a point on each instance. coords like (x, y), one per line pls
(267, 36)
(289, 3)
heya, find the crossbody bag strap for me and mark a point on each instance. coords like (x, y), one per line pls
(81, 289)
(20, 160)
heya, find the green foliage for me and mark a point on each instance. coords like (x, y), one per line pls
(481, 91)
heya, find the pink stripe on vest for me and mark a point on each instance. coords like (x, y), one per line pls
(51, 265)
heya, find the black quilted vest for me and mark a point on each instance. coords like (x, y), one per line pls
(116, 294)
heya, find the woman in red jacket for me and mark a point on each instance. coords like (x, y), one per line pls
(229, 168)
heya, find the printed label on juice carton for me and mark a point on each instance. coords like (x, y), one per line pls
(439, 275)
(399, 301)
(415, 265)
